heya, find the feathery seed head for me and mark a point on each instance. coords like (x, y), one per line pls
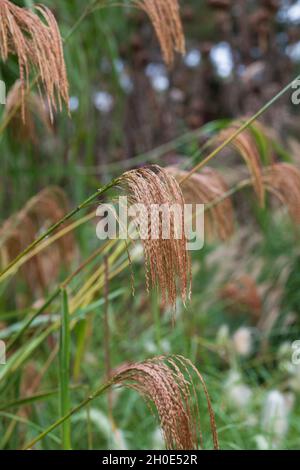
(38, 46)
(245, 145)
(165, 17)
(170, 384)
(166, 259)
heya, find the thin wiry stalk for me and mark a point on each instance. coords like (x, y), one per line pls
(9, 116)
(51, 298)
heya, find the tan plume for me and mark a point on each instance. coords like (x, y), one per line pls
(167, 261)
(37, 43)
(165, 17)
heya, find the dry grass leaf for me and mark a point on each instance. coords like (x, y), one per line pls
(167, 261)
(283, 180)
(21, 229)
(172, 385)
(204, 188)
(245, 145)
(242, 296)
(34, 110)
(165, 17)
(38, 46)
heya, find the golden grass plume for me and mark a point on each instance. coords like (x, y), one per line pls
(37, 43)
(165, 17)
(167, 261)
(172, 385)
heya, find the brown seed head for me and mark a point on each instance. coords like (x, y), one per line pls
(171, 385)
(245, 145)
(166, 258)
(165, 17)
(38, 46)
